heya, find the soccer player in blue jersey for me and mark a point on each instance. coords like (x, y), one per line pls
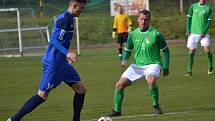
(57, 64)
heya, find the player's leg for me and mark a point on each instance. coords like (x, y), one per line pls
(210, 59)
(47, 83)
(74, 81)
(192, 44)
(152, 73)
(154, 93)
(124, 40)
(78, 99)
(129, 76)
(120, 45)
(119, 95)
(205, 42)
(125, 37)
(30, 105)
(190, 62)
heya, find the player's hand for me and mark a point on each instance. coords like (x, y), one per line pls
(113, 35)
(71, 57)
(129, 29)
(124, 63)
(188, 33)
(165, 72)
(202, 35)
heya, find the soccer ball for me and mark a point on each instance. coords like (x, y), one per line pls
(105, 119)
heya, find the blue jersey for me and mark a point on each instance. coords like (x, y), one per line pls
(60, 40)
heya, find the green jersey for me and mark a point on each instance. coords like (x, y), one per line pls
(200, 15)
(146, 46)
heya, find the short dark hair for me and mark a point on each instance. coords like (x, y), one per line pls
(145, 12)
(79, 1)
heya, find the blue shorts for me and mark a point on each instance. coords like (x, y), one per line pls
(52, 76)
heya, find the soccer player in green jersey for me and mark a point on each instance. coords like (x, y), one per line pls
(197, 25)
(147, 42)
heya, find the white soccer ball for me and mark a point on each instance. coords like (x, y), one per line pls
(105, 119)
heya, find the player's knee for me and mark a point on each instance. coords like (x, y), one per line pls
(150, 83)
(192, 52)
(80, 89)
(207, 50)
(43, 95)
(151, 80)
(118, 85)
(121, 85)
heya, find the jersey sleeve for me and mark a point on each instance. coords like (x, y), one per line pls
(163, 46)
(210, 15)
(115, 22)
(128, 48)
(58, 35)
(209, 19)
(189, 18)
(190, 12)
(161, 41)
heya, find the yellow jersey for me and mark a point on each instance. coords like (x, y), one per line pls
(122, 22)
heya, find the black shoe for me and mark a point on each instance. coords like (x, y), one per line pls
(114, 113)
(157, 109)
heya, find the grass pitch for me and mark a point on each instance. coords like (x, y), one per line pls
(181, 98)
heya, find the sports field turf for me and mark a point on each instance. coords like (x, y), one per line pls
(182, 98)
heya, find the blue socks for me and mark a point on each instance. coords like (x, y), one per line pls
(78, 102)
(30, 105)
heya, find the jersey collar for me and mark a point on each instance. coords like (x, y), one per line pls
(145, 31)
(201, 5)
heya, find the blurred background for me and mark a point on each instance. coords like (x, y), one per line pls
(95, 24)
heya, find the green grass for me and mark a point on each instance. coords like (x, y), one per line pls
(99, 69)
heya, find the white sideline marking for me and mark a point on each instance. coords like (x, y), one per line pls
(148, 115)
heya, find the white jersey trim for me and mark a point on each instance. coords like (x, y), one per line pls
(127, 49)
(189, 16)
(164, 48)
(69, 31)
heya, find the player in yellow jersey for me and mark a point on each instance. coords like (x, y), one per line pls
(121, 25)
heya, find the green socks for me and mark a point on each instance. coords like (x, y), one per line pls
(118, 97)
(154, 92)
(190, 62)
(191, 59)
(210, 60)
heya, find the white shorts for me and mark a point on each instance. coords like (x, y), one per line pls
(194, 39)
(135, 72)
